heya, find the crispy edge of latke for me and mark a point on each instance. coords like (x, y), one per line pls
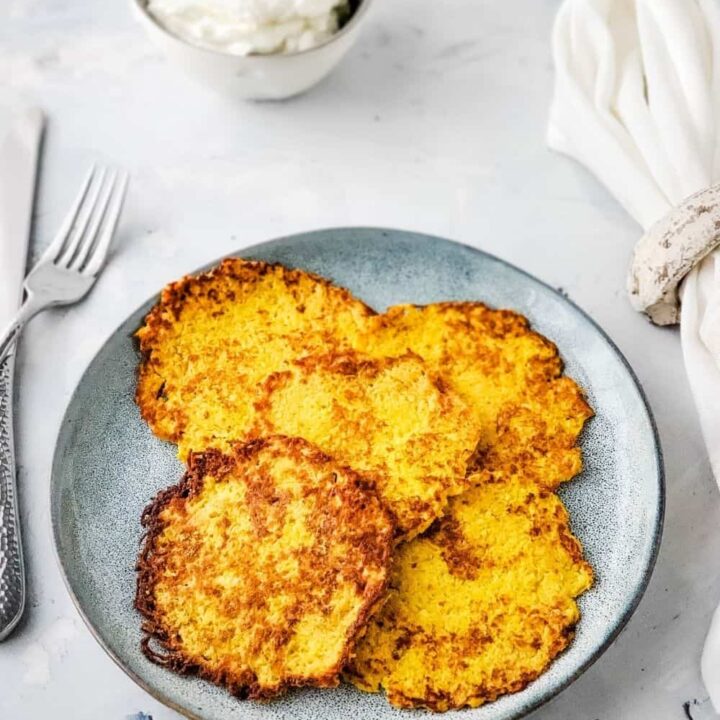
(210, 462)
(511, 318)
(172, 299)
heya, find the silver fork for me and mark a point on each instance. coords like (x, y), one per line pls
(64, 274)
(69, 267)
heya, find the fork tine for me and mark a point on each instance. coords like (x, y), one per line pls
(94, 221)
(100, 250)
(55, 248)
(85, 212)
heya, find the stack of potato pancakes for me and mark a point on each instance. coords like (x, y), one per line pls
(367, 496)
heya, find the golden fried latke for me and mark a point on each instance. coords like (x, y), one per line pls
(234, 325)
(389, 419)
(484, 601)
(260, 568)
(527, 412)
(481, 604)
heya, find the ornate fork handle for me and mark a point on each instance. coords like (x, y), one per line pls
(12, 575)
(28, 309)
(7, 340)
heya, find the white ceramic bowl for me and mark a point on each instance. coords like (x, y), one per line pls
(255, 77)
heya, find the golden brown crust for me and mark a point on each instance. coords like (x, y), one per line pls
(387, 417)
(498, 576)
(237, 638)
(315, 313)
(500, 570)
(511, 381)
(239, 273)
(529, 413)
(251, 349)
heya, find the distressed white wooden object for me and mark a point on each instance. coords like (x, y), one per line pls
(669, 250)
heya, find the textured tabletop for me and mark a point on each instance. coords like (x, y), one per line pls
(434, 122)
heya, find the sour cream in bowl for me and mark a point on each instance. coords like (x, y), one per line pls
(244, 27)
(254, 49)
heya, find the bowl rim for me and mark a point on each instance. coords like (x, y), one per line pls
(147, 18)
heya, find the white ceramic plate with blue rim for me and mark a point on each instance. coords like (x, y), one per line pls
(108, 466)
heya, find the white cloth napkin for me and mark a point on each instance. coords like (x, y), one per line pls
(20, 130)
(637, 100)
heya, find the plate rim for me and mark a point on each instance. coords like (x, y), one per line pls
(657, 531)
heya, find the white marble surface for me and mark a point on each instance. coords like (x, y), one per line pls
(434, 122)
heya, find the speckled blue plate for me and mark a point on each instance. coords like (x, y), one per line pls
(108, 466)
